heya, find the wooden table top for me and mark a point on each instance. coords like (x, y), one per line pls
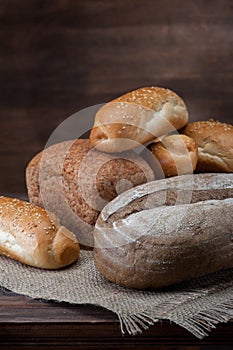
(33, 324)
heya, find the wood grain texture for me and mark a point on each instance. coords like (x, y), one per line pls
(57, 57)
(33, 324)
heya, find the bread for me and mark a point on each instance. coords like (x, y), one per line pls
(215, 145)
(75, 181)
(136, 118)
(35, 237)
(166, 231)
(176, 154)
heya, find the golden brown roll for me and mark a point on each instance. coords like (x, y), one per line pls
(176, 154)
(35, 237)
(215, 145)
(136, 118)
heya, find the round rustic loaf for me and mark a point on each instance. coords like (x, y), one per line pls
(136, 118)
(215, 145)
(166, 231)
(75, 181)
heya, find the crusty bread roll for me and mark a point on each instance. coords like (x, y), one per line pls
(136, 118)
(166, 231)
(35, 237)
(215, 145)
(176, 154)
(75, 181)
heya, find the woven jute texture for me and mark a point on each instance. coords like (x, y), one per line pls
(197, 305)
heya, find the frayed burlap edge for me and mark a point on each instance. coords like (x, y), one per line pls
(197, 305)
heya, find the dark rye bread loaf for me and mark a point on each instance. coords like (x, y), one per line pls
(75, 181)
(166, 231)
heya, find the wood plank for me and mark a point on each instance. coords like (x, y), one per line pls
(38, 324)
(59, 57)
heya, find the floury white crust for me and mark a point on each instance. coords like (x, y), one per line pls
(167, 231)
(136, 118)
(35, 237)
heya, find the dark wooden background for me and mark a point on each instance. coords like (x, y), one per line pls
(59, 56)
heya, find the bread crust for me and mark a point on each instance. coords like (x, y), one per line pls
(166, 231)
(177, 155)
(76, 181)
(34, 236)
(215, 145)
(136, 118)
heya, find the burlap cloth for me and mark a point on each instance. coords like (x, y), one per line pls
(198, 305)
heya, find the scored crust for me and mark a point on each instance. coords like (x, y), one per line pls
(170, 247)
(130, 254)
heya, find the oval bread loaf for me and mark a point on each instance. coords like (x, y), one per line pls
(167, 231)
(136, 118)
(35, 237)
